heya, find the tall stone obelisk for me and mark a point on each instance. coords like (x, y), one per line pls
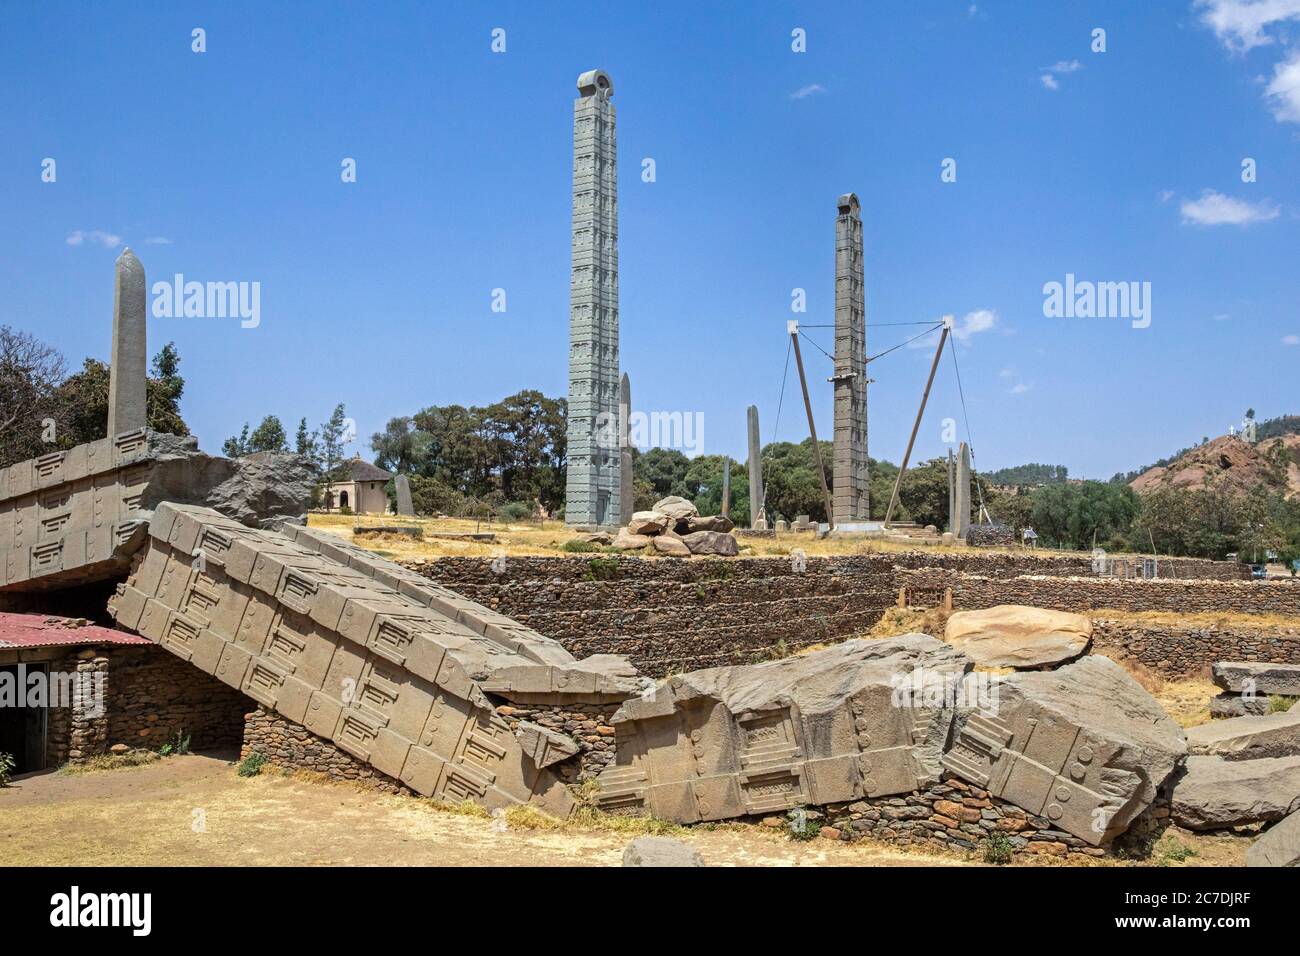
(961, 493)
(128, 371)
(852, 487)
(592, 491)
(625, 492)
(757, 519)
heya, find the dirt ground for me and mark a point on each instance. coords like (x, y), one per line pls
(194, 810)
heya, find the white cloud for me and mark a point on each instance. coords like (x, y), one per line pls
(1165, 195)
(158, 241)
(1283, 92)
(1020, 388)
(806, 91)
(1216, 209)
(1241, 24)
(105, 239)
(1221, 317)
(974, 322)
(1059, 68)
(1005, 373)
(1291, 340)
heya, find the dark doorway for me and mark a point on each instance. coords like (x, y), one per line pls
(22, 728)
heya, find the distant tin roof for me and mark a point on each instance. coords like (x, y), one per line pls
(48, 630)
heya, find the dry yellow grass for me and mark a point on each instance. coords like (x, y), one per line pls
(1203, 619)
(547, 538)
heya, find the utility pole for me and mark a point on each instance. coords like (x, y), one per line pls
(916, 426)
(793, 326)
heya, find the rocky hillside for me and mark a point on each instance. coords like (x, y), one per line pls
(1232, 464)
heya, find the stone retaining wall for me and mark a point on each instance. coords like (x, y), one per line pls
(1175, 652)
(673, 616)
(1083, 595)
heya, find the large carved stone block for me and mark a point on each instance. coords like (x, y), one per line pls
(1084, 746)
(830, 726)
(335, 646)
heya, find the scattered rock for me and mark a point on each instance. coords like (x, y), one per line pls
(1229, 704)
(627, 541)
(1258, 677)
(648, 522)
(709, 523)
(1271, 735)
(1279, 846)
(1213, 793)
(660, 851)
(671, 544)
(1013, 635)
(711, 542)
(599, 537)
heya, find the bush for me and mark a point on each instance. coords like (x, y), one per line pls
(602, 569)
(802, 826)
(181, 745)
(7, 765)
(998, 849)
(252, 765)
(515, 511)
(577, 545)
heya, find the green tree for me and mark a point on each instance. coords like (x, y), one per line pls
(268, 436)
(333, 438)
(84, 396)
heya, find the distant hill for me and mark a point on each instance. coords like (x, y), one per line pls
(1278, 427)
(1228, 462)
(1032, 474)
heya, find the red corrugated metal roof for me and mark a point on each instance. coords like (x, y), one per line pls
(47, 630)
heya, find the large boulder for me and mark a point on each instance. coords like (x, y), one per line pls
(1213, 793)
(626, 541)
(1271, 735)
(864, 718)
(671, 545)
(1258, 677)
(678, 509)
(648, 522)
(1279, 846)
(660, 851)
(709, 523)
(1084, 746)
(1013, 635)
(711, 542)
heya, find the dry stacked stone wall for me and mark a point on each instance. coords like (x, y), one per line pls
(154, 696)
(291, 746)
(672, 616)
(1177, 651)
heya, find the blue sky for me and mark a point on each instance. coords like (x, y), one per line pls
(1117, 166)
